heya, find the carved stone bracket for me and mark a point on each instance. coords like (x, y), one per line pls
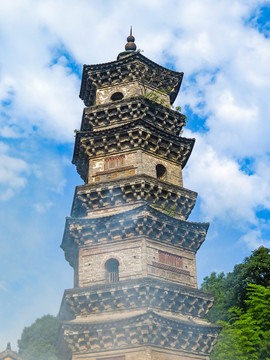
(126, 111)
(135, 294)
(142, 221)
(133, 190)
(146, 329)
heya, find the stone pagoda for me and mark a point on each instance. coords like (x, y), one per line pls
(135, 294)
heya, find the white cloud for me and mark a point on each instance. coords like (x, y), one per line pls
(253, 239)
(12, 173)
(51, 173)
(226, 191)
(3, 285)
(43, 207)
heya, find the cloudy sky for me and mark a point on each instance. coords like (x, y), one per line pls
(223, 48)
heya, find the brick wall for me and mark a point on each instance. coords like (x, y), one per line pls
(136, 258)
(103, 95)
(132, 163)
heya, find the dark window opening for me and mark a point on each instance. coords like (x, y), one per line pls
(117, 96)
(112, 270)
(161, 172)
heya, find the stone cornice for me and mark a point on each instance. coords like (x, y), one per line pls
(135, 67)
(128, 110)
(141, 221)
(133, 190)
(135, 294)
(148, 328)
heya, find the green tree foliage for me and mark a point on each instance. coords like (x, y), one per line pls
(38, 341)
(242, 306)
(231, 290)
(247, 335)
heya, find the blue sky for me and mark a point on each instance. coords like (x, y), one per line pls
(223, 48)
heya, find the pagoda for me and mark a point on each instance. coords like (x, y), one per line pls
(128, 240)
(9, 354)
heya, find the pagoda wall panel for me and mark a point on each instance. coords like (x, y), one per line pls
(137, 258)
(132, 163)
(129, 89)
(92, 262)
(184, 274)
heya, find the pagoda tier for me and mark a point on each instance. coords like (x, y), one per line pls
(134, 294)
(143, 221)
(122, 194)
(129, 137)
(128, 110)
(128, 240)
(130, 67)
(145, 328)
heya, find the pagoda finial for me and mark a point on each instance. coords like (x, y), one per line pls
(8, 346)
(130, 42)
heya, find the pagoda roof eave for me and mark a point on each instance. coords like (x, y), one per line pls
(91, 72)
(127, 190)
(140, 209)
(151, 293)
(126, 110)
(179, 233)
(151, 328)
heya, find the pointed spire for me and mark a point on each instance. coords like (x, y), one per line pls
(130, 42)
(8, 346)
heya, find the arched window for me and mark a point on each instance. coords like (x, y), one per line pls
(161, 172)
(112, 270)
(117, 96)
